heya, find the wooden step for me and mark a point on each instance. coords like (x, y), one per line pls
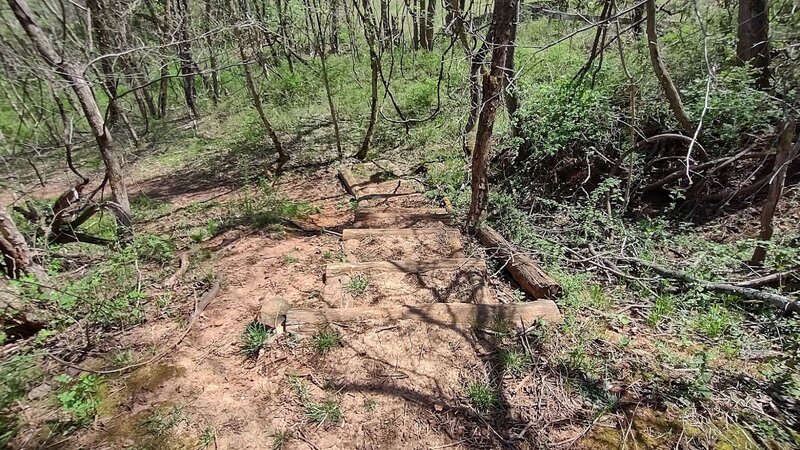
(377, 244)
(307, 321)
(334, 269)
(378, 217)
(364, 189)
(393, 283)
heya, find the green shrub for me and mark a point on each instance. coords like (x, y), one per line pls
(79, 399)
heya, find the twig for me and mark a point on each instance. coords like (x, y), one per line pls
(784, 303)
(182, 268)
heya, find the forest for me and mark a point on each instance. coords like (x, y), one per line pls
(455, 224)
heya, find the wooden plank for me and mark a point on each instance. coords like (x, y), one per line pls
(334, 269)
(399, 217)
(363, 233)
(307, 321)
(349, 182)
(531, 278)
(399, 211)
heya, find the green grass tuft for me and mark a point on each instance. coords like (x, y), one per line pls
(482, 396)
(357, 285)
(254, 337)
(326, 340)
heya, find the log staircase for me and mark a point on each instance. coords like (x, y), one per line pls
(406, 261)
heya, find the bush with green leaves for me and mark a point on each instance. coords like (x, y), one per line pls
(79, 399)
(17, 375)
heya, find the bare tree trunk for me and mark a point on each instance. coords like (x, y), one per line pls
(370, 34)
(163, 89)
(70, 73)
(503, 24)
(320, 44)
(282, 28)
(430, 20)
(785, 154)
(255, 96)
(185, 57)
(753, 38)
(422, 21)
(334, 41)
(660, 69)
(17, 256)
(510, 95)
(412, 9)
(475, 78)
(212, 55)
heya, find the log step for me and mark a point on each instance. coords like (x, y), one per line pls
(393, 283)
(379, 244)
(364, 189)
(307, 321)
(409, 267)
(402, 217)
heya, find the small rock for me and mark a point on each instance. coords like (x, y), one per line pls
(273, 313)
(438, 407)
(40, 391)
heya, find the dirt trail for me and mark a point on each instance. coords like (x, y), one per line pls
(397, 385)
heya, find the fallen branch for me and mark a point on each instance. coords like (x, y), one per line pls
(183, 266)
(780, 301)
(531, 278)
(767, 280)
(199, 307)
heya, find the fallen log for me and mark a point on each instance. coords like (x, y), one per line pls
(780, 301)
(531, 278)
(305, 321)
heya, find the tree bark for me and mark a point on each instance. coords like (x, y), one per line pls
(17, 256)
(72, 75)
(255, 97)
(185, 57)
(660, 69)
(212, 55)
(785, 154)
(370, 35)
(530, 277)
(753, 38)
(503, 24)
(430, 20)
(323, 56)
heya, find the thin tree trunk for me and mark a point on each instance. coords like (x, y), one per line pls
(510, 94)
(185, 56)
(212, 55)
(422, 21)
(412, 9)
(163, 89)
(70, 73)
(475, 78)
(753, 38)
(374, 62)
(660, 69)
(785, 154)
(503, 24)
(430, 19)
(320, 44)
(17, 256)
(334, 40)
(282, 28)
(255, 96)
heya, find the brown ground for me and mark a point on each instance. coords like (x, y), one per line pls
(397, 386)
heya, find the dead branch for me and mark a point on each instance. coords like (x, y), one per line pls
(784, 303)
